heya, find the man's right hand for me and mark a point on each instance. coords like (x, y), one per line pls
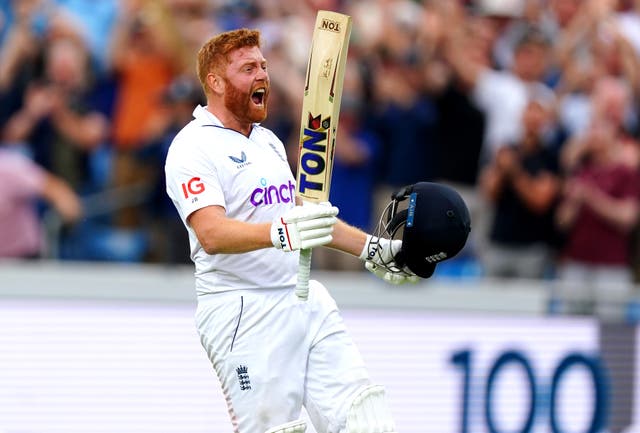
(306, 226)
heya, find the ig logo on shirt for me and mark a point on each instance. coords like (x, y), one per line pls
(193, 187)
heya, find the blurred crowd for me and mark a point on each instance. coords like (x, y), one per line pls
(529, 108)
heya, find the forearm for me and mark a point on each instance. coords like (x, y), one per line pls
(622, 213)
(579, 29)
(60, 195)
(19, 126)
(537, 192)
(347, 238)
(118, 47)
(87, 131)
(465, 69)
(236, 237)
(219, 234)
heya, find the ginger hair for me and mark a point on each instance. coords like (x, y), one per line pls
(214, 54)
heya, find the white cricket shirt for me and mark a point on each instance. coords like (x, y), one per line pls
(208, 164)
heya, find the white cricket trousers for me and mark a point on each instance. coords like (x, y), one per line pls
(274, 353)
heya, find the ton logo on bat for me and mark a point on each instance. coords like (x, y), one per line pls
(314, 151)
(334, 26)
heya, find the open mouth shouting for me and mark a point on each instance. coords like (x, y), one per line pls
(258, 96)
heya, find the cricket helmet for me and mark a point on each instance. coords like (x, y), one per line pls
(433, 226)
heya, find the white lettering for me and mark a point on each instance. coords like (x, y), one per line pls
(435, 258)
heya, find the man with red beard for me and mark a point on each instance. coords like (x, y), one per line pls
(234, 190)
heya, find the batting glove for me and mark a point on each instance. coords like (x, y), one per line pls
(306, 226)
(379, 258)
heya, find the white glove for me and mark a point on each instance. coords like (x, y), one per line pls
(306, 226)
(379, 256)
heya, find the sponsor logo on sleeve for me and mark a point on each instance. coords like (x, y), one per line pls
(193, 187)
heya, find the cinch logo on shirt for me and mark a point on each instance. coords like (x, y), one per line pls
(270, 194)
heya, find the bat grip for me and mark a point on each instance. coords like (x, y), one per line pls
(304, 271)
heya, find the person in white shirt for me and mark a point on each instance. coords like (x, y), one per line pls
(233, 188)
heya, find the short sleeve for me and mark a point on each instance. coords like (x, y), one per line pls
(191, 182)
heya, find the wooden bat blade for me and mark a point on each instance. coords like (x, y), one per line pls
(321, 104)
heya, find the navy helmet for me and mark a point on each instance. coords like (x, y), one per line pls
(434, 226)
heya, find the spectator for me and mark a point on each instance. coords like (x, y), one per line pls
(500, 94)
(404, 117)
(522, 182)
(396, 104)
(457, 150)
(612, 101)
(91, 21)
(600, 207)
(58, 119)
(146, 57)
(589, 49)
(22, 185)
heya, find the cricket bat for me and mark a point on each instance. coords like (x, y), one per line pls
(319, 120)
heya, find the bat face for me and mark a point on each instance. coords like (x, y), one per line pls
(314, 157)
(321, 105)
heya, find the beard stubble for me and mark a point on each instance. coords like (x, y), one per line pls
(239, 103)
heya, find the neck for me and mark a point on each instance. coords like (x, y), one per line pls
(230, 121)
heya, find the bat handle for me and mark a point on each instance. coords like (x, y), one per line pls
(304, 271)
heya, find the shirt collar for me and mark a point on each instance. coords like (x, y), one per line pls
(205, 117)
